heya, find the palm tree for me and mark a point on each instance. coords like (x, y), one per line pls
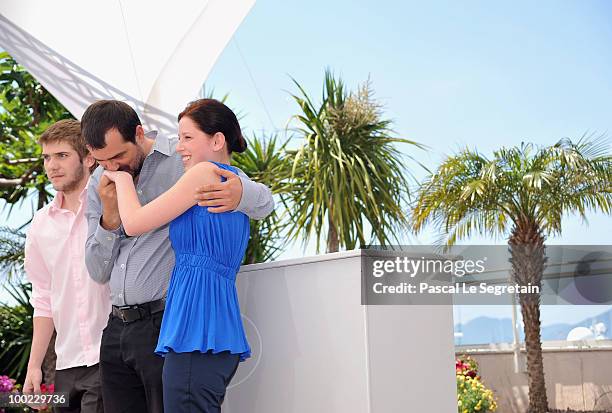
(348, 169)
(522, 192)
(265, 161)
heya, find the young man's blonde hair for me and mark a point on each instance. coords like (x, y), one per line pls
(69, 131)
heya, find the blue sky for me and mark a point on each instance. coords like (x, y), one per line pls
(450, 74)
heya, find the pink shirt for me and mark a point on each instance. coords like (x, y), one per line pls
(61, 286)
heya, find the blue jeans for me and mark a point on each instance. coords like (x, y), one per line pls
(196, 382)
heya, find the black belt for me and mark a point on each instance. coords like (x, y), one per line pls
(130, 313)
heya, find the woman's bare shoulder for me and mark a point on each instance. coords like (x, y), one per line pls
(202, 173)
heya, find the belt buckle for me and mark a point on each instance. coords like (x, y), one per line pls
(122, 314)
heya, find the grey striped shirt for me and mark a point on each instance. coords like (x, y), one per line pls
(139, 268)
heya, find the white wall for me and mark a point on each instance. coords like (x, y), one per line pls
(317, 349)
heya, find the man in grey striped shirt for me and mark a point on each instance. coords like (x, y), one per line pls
(138, 268)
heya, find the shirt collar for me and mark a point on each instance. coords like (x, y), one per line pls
(56, 203)
(161, 144)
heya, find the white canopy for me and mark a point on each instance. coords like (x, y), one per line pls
(152, 54)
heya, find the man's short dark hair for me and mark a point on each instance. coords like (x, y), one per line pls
(104, 115)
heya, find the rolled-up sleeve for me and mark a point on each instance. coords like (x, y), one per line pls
(40, 277)
(102, 246)
(257, 201)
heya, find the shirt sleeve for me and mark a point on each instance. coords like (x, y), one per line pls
(257, 201)
(39, 275)
(102, 246)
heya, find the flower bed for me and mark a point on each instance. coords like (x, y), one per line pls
(472, 395)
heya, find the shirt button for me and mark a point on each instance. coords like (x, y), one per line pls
(122, 265)
(120, 295)
(140, 191)
(109, 238)
(105, 262)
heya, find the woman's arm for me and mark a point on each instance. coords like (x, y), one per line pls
(139, 219)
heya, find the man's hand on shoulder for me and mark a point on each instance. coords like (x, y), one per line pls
(222, 196)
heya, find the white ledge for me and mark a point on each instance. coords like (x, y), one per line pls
(299, 261)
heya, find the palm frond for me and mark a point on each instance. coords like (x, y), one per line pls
(348, 171)
(267, 162)
(12, 246)
(470, 194)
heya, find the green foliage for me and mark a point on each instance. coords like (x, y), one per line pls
(16, 332)
(26, 110)
(348, 170)
(470, 193)
(12, 246)
(265, 161)
(472, 395)
(206, 93)
(524, 191)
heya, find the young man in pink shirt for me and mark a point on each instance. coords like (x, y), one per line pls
(64, 297)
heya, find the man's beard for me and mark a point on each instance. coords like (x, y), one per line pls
(135, 167)
(74, 183)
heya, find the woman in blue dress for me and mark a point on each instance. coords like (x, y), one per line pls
(202, 337)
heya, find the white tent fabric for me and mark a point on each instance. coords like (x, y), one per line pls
(154, 55)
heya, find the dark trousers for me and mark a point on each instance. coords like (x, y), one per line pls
(196, 382)
(83, 387)
(131, 372)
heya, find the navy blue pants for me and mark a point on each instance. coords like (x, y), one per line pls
(196, 382)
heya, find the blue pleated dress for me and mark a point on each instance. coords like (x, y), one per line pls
(202, 311)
